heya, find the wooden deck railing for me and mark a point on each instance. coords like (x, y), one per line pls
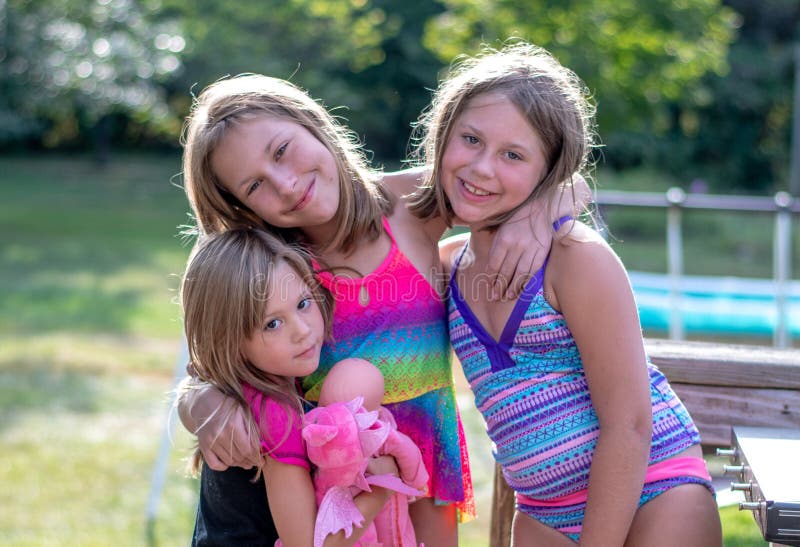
(721, 385)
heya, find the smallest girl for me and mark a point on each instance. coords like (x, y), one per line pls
(589, 434)
(255, 318)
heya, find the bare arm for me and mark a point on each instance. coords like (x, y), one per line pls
(290, 492)
(521, 244)
(516, 253)
(593, 292)
(224, 443)
(449, 249)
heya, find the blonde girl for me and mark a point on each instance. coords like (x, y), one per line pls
(589, 434)
(255, 319)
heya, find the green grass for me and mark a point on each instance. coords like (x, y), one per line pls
(90, 336)
(89, 331)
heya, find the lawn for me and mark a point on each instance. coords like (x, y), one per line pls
(89, 331)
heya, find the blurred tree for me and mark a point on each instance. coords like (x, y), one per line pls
(738, 137)
(636, 57)
(320, 45)
(399, 88)
(72, 65)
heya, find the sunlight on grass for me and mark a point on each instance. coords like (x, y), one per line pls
(76, 465)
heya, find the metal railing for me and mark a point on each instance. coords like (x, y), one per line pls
(675, 200)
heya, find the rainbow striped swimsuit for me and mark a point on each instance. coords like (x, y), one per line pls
(402, 330)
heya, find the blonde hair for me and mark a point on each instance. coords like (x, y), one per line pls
(551, 97)
(227, 102)
(224, 297)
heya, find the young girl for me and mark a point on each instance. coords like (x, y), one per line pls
(255, 319)
(260, 152)
(590, 435)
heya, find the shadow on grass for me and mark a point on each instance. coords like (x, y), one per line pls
(86, 249)
(28, 386)
(82, 287)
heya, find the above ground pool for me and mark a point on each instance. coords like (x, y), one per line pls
(716, 305)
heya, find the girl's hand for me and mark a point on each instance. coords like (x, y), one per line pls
(382, 465)
(518, 250)
(522, 243)
(219, 424)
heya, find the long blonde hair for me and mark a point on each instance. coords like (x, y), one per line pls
(552, 98)
(224, 298)
(229, 101)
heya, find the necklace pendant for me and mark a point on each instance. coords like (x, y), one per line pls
(363, 296)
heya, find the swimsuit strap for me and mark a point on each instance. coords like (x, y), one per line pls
(388, 229)
(560, 222)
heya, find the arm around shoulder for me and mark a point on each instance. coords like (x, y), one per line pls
(401, 183)
(219, 423)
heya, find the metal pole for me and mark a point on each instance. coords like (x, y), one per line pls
(159, 473)
(781, 267)
(794, 173)
(675, 197)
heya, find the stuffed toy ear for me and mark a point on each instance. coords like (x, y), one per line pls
(318, 434)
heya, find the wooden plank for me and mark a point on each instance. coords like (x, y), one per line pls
(726, 365)
(716, 409)
(503, 502)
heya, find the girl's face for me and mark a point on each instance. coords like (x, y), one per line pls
(289, 341)
(280, 171)
(492, 161)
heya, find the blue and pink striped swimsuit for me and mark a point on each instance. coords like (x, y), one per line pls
(531, 389)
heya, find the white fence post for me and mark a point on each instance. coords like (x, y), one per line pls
(782, 260)
(675, 198)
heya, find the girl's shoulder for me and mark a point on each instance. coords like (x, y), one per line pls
(581, 257)
(579, 241)
(402, 183)
(450, 248)
(273, 409)
(279, 427)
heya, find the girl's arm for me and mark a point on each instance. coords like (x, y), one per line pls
(515, 252)
(522, 242)
(449, 249)
(290, 493)
(591, 288)
(401, 184)
(224, 443)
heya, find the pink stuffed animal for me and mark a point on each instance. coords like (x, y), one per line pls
(341, 435)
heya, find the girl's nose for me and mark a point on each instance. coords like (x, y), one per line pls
(302, 329)
(284, 181)
(482, 164)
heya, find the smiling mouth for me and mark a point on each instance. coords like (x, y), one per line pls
(305, 354)
(306, 197)
(474, 190)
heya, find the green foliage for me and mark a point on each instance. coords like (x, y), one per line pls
(739, 529)
(693, 88)
(325, 47)
(738, 136)
(68, 64)
(635, 56)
